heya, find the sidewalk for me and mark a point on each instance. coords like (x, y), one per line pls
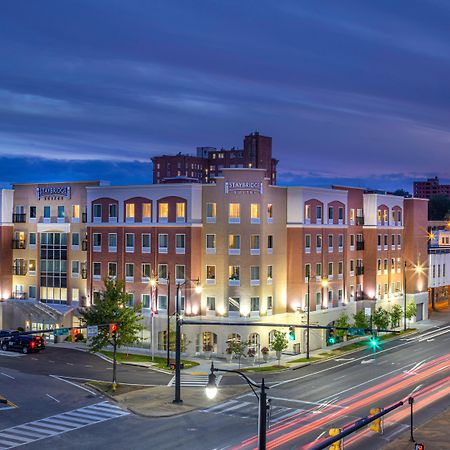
(432, 434)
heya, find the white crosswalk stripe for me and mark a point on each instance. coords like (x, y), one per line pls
(188, 380)
(247, 410)
(11, 354)
(59, 424)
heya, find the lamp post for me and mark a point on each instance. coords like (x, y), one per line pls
(153, 283)
(211, 392)
(404, 296)
(198, 289)
(168, 322)
(308, 309)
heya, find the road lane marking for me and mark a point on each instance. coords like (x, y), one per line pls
(74, 384)
(6, 375)
(53, 398)
(344, 359)
(307, 402)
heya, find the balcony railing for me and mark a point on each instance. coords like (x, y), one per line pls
(360, 220)
(19, 218)
(19, 244)
(19, 270)
(359, 245)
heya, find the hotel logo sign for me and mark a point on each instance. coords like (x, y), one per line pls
(53, 192)
(243, 187)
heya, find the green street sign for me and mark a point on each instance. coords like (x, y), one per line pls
(61, 332)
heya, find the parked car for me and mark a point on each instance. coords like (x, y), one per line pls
(24, 343)
(6, 333)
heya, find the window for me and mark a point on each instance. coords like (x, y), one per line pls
(75, 213)
(341, 242)
(146, 243)
(234, 244)
(211, 303)
(319, 243)
(112, 242)
(340, 269)
(269, 213)
(163, 212)
(254, 304)
(211, 273)
(146, 271)
(307, 243)
(393, 265)
(234, 274)
(145, 301)
(318, 213)
(393, 240)
(269, 302)
(352, 215)
(385, 265)
(399, 217)
(61, 212)
(330, 269)
(181, 212)
(75, 269)
(318, 270)
(399, 240)
(211, 213)
(129, 242)
(341, 214)
(318, 298)
(352, 242)
(254, 213)
(129, 212)
(269, 274)
(146, 212)
(330, 242)
(112, 269)
(180, 243)
(162, 273)
(352, 267)
(32, 239)
(97, 212)
(379, 265)
(330, 214)
(254, 244)
(129, 272)
(210, 243)
(379, 241)
(32, 292)
(96, 270)
(163, 243)
(234, 304)
(47, 212)
(385, 241)
(97, 241)
(179, 272)
(269, 243)
(32, 212)
(162, 302)
(307, 271)
(307, 213)
(254, 275)
(234, 213)
(130, 299)
(112, 212)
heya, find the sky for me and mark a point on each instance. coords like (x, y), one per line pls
(353, 92)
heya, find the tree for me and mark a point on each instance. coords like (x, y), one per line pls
(401, 193)
(438, 207)
(396, 315)
(380, 318)
(112, 309)
(343, 322)
(411, 310)
(279, 344)
(360, 319)
(237, 348)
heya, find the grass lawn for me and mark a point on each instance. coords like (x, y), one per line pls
(105, 387)
(304, 360)
(159, 362)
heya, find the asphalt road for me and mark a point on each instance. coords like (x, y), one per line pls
(305, 403)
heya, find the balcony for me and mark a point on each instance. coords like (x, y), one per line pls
(19, 244)
(359, 245)
(19, 270)
(19, 218)
(360, 220)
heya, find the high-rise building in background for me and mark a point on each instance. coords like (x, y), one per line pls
(430, 188)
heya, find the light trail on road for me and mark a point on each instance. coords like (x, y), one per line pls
(299, 425)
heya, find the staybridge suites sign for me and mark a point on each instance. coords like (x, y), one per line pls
(243, 187)
(53, 192)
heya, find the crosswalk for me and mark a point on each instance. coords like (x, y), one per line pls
(11, 354)
(190, 380)
(59, 424)
(247, 410)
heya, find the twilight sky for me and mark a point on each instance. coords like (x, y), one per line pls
(354, 92)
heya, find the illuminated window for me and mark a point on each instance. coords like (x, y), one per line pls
(211, 212)
(234, 242)
(181, 211)
(307, 212)
(130, 211)
(163, 211)
(352, 214)
(146, 211)
(76, 211)
(234, 273)
(269, 211)
(210, 272)
(385, 215)
(254, 210)
(234, 212)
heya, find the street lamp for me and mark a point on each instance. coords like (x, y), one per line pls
(211, 392)
(198, 290)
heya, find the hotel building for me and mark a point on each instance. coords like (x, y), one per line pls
(257, 250)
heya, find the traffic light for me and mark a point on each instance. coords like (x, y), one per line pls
(338, 444)
(373, 342)
(332, 336)
(291, 333)
(112, 328)
(419, 447)
(377, 424)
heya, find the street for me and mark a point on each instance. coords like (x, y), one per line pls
(305, 403)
